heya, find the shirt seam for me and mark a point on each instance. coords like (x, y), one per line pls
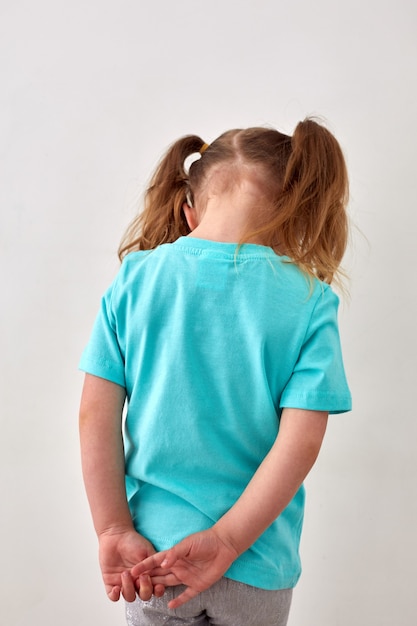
(237, 256)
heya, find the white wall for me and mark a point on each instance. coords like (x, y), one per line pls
(91, 94)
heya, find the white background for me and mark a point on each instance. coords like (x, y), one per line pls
(91, 94)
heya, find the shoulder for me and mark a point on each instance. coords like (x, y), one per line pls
(325, 296)
(132, 264)
(307, 288)
(138, 269)
(133, 259)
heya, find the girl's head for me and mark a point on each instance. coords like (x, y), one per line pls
(302, 183)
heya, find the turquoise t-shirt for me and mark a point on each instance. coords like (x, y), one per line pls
(211, 342)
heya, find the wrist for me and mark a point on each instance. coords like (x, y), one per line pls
(116, 529)
(227, 539)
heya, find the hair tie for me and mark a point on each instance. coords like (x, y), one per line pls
(204, 147)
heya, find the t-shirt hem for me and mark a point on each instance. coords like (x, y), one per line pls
(326, 402)
(262, 578)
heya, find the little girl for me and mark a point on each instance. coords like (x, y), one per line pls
(220, 332)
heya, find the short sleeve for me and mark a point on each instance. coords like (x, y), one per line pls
(102, 357)
(318, 381)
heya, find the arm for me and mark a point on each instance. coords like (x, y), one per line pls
(102, 455)
(277, 479)
(201, 559)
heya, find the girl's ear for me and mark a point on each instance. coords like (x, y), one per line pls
(190, 215)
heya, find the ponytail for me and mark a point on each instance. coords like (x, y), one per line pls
(310, 220)
(163, 220)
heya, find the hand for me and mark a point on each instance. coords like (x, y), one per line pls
(119, 550)
(198, 561)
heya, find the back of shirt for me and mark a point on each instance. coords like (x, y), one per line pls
(211, 342)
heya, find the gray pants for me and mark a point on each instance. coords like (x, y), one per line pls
(226, 603)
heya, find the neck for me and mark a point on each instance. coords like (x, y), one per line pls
(217, 232)
(227, 217)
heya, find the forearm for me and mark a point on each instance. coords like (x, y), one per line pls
(277, 479)
(102, 454)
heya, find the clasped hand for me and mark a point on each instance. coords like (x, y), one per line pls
(119, 551)
(198, 561)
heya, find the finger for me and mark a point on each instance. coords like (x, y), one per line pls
(145, 590)
(148, 564)
(159, 590)
(184, 597)
(158, 571)
(113, 593)
(168, 580)
(172, 556)
(128, 587)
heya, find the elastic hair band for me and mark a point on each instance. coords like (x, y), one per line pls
(204, 147)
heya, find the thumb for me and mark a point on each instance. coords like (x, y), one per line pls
(179, 551)
(171, 556)
(113, 593)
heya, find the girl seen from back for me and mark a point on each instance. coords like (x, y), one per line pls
(220, 333)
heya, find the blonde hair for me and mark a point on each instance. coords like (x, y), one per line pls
(305, 177)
